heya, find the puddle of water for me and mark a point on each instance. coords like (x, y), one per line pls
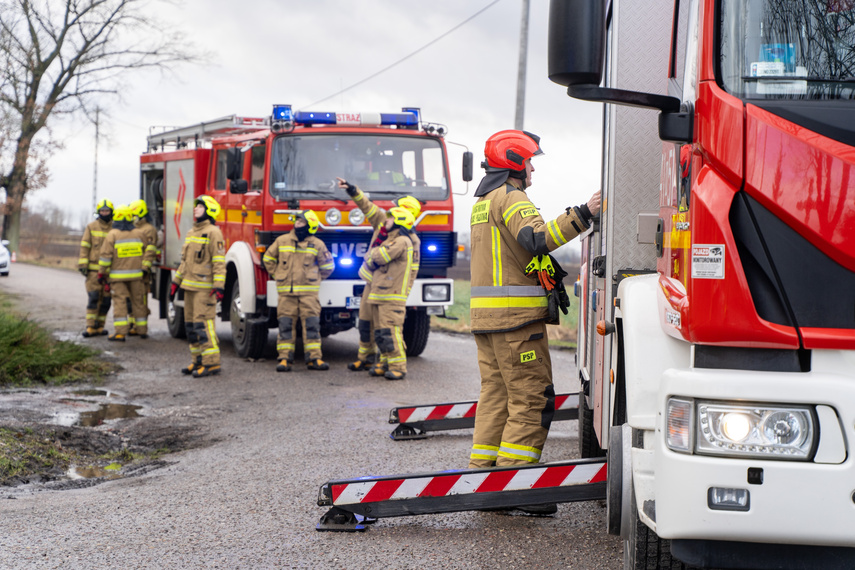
(108, 412)
(78, 472)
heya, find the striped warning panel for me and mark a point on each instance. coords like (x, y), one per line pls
(458, 410)
(455, 483)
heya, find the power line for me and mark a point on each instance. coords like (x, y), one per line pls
(406, 57)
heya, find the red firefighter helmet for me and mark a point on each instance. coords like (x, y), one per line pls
(510, 149)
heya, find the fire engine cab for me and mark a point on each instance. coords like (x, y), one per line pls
(264, 170)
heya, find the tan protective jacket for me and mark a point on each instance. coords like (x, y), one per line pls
(506, 232)
(125, 254)
(203, 259)
(298, 266)
(90, 245)
(377, 217)
(391, 278)
(151, 235)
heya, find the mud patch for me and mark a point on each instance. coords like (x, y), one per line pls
(61, 439)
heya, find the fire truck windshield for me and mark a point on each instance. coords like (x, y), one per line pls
(305, 166)
(788, 49)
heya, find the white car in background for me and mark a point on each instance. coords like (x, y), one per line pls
(5, 258)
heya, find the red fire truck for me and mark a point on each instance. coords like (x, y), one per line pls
(721, 274)
(263, 170)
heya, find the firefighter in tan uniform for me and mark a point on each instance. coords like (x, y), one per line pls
(377, 218)
(298, 261)
(391, 269)
(202, 277)
(509, 305)
(142, 222)
(98, 300)
(125, 258)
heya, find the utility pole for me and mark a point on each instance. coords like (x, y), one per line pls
(95, 174)
(519, 118)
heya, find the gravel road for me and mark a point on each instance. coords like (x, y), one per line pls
(247, 498)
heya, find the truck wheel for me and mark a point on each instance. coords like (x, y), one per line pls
(644, 549)
(175, 320)
(588, 444)
(416, 331)
(249, 333)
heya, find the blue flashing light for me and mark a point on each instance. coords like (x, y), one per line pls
(399, 119)
(282, 113)
(415, 111)
(346, 262)
(432, 248)
(314, 118)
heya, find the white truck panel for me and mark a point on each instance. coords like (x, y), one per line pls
(336, 292)
(178, 192)
(798, 502)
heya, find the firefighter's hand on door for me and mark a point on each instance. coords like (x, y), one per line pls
(594, 203)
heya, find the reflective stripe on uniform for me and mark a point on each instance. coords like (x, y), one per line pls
(509, 296)
(520, 452)
(514, 209)
(194, 239)
(488, 452)
(126, 274)
(198, 284)
(497, 255)
(555, 232)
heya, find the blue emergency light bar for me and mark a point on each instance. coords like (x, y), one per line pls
(282, 113)
(408, 119)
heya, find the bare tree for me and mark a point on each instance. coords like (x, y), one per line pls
(60, 57)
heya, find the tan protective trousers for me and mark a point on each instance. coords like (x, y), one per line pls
(307, 309)
(365, 326)
(98, 302)
(388, 322)
(200, 310)
(131, 292)
(517, 398)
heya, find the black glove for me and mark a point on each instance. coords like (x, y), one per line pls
(102, 279)
(350, 189)
(84, 271)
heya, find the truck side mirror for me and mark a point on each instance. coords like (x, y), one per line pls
(467, 166)
(577, 41)
(238, 186)
(234, 163)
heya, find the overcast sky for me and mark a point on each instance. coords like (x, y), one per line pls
(302, 51)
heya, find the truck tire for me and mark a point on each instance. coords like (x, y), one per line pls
(644, 550)
(588, 444)
(249, 333)
(416, 331)
(175, 320)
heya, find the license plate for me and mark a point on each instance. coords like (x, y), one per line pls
(353, 302)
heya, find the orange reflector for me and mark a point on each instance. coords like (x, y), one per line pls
(461, 247)
(260, 248)
(612, 376)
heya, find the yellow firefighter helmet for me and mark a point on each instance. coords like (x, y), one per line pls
(139, 208)
(212, 207)
(403, 217)
(312, 220)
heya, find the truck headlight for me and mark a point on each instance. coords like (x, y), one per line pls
(740, 430)
(356, 217)
(333, 216)
(437, 292)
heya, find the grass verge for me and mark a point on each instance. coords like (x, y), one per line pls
(30, 355)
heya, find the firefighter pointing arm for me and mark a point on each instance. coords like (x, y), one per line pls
(509, 305)
(298, 261)
(377, 217)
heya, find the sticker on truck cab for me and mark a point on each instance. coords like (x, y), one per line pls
(708, 261)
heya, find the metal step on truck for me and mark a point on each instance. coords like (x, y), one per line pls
(716, 351)
(264, 170)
